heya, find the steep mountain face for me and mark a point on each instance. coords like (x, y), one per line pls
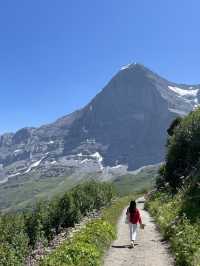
(125, 124)
(29, 148)
(127, 121)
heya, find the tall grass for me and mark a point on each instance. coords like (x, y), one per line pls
(179, 227)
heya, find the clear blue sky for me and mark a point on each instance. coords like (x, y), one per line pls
(56, 55)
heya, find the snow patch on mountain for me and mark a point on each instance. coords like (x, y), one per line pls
(178, 112)
(85, 161)
(99, 159)
(33, 165)
(125, 67)
(182, 92)
(5, 180)
(181, 99)
(128, 66)
(189, 98)
(53, 162)
(17, 151)
(16, 174)
(117, 166)
(98, 156)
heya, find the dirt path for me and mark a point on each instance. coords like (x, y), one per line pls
(149, 249)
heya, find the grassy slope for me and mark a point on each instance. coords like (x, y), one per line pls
(130, 183)
(27, 190)
(22, 193)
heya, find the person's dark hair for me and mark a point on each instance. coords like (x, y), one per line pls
(132, 206)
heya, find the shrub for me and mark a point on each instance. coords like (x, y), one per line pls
(183, 149)
(38, 224)
(88, 246)
(185, 243)
(18, 233)
(160, 180)
(92, 195)
(63, 212)
(176, 226)
(13, 239)
(175, 123)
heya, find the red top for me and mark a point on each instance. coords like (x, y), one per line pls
(134, 217)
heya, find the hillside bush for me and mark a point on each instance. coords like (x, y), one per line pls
(87, 247)
(92, 195)
(176, 204)
(177, 226)
(183, 149)
(21, 232)
(13, 240)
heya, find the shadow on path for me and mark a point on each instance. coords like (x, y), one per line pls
(123, 246)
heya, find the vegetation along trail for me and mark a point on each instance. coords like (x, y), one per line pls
(149, 249)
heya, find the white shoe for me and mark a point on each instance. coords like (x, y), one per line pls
(132, 244)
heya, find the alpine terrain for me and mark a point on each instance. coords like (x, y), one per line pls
(123, 128)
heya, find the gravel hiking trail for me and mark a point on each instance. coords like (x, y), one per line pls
(149, 249)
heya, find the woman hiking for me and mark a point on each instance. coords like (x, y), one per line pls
(134, 218)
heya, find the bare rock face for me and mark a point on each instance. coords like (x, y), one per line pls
(125, 124)
(129, 118)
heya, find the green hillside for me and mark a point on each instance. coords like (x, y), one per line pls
(21, 232)
(141, 180)
(18, 194)
(176, 203)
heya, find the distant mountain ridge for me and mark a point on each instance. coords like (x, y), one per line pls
(124, 125)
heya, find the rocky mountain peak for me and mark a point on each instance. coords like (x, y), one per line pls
(125, 124)
(133, 66)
